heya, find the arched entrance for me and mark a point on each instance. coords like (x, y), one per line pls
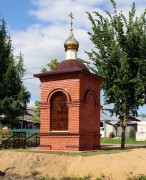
(59, 112)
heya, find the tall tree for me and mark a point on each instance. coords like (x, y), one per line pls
(120, 58)
(13, 94)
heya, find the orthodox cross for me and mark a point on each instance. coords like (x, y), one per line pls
(71, 18)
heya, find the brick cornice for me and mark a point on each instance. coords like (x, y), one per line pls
(64, 72)
(44, 105)
(74, 103)
(62, 134)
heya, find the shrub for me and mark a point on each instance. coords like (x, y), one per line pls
(5, 132)
(35, 173)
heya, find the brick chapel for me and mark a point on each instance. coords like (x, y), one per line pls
(70, 104)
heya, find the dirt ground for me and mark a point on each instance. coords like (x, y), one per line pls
(30, 165)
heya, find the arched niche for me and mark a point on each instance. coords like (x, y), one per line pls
(58, 111)
(59, 90)
(91, 92)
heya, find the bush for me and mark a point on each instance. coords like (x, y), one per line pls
(35, 173)
(5, 132)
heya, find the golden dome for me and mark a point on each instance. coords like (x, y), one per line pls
(71, 42)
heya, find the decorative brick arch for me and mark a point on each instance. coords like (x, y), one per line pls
(59, 90)
(93, 94)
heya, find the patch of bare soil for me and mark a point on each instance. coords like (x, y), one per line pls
(29, 165)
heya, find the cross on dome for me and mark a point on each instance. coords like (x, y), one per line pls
(71, 18)
(71, 44)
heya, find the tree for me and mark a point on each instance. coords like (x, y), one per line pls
(120, 58)
(37, 112)
(13, 94)
(53, 63)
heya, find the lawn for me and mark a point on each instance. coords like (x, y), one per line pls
(117, 140)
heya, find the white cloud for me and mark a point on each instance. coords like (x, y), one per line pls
(57, 12)
(44, 40)
(40, 44)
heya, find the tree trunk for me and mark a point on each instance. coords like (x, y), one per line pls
(124, 125)
(123, 138)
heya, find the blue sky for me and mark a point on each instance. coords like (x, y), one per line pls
(39, 28)
(16, 13)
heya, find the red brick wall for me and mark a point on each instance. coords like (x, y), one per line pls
(83, 92)
(60, 142)
(90, 111)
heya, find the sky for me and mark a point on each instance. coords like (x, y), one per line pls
(39, 28)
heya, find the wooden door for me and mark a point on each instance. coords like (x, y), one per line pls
(59, 112)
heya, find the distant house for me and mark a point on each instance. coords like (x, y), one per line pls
(141, 118)
(111, 125)
(107, 124)
(27, 120)
(131, 124)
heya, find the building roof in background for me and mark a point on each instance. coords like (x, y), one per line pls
(141, 118)
(115, 121)
(104, 116)
(29, 115)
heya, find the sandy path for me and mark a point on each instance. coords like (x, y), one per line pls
(117, 166)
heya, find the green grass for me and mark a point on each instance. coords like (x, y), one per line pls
(76, 178)
(4, 137)
(137, 177)
(118, 141)
(88, 177)
(84, 154)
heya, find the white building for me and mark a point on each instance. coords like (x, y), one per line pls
(107, 124)
(141, 131)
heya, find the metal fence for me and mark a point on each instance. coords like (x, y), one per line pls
(28, 132)
(20, 140)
